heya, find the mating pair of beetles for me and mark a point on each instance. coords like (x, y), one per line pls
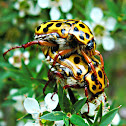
(70, 49)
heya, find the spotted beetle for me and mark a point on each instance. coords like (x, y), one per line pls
(67, 36)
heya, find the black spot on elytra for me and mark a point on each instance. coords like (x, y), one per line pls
(45, 29)
(79, 72)
(100, 74)
(76, 29)
(38, 28)
(77, 60)
(44, 22)
(63, 31)
(49, 25)
(93, 77)
(100, 85)
(58, 24)
(76, 22)
(94, 87)
(81, 25)
(87, 35)
(81, 36)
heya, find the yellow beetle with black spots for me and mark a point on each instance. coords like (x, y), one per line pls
(77, 73)
(67, 36)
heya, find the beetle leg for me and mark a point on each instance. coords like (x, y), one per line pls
(90, 62)
(60, 53)
(102, 63)
(35, 42)
(86, 94)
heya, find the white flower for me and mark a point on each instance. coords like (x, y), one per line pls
(69, 16)
(32, 107)
(65, 5)
(55, 13)
(40, 65)
(15, 60)
(101, 28)
(7, 46)
(3, 123)
(51, 101)
(44, 3)
(108, 43)
(19, 100)
(32, 124)
(116, 120)
(59, 123)
(96, 14)
(110, 23)
(21, 13)
(33, 9)
(1, 114)
(92, 108)
(20, 123)
(29, 8)
(41, 56)
(94, 104)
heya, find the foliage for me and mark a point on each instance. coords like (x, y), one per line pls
(18, 20)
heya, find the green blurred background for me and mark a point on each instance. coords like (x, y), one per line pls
(18, 19)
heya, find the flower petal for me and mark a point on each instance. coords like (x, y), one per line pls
(96, 14)
(110, 23)
(38, 67)
(11, 60)
(116, 120)
(51, 103)
(41, 56)
(66, 5)
(33, 10)
(17, 53)
(26, 61)
(21, 13)
(44, 3)
(69, 16)
(108, 43)
(31, 105)
(26, 54)
(59, 123)
(1, 114)
(54, 13)
(29, 124)
(92, 108)
(3, 123)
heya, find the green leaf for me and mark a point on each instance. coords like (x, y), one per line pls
(77, 120)
(66, 120)
(78, 105)
(54, 116)
(8, 103)
(21, 91)
(26, 116)
(89, 6)
(26, 70)
(99, 114)
(107, 118)
(113, 8)
(64, 102)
